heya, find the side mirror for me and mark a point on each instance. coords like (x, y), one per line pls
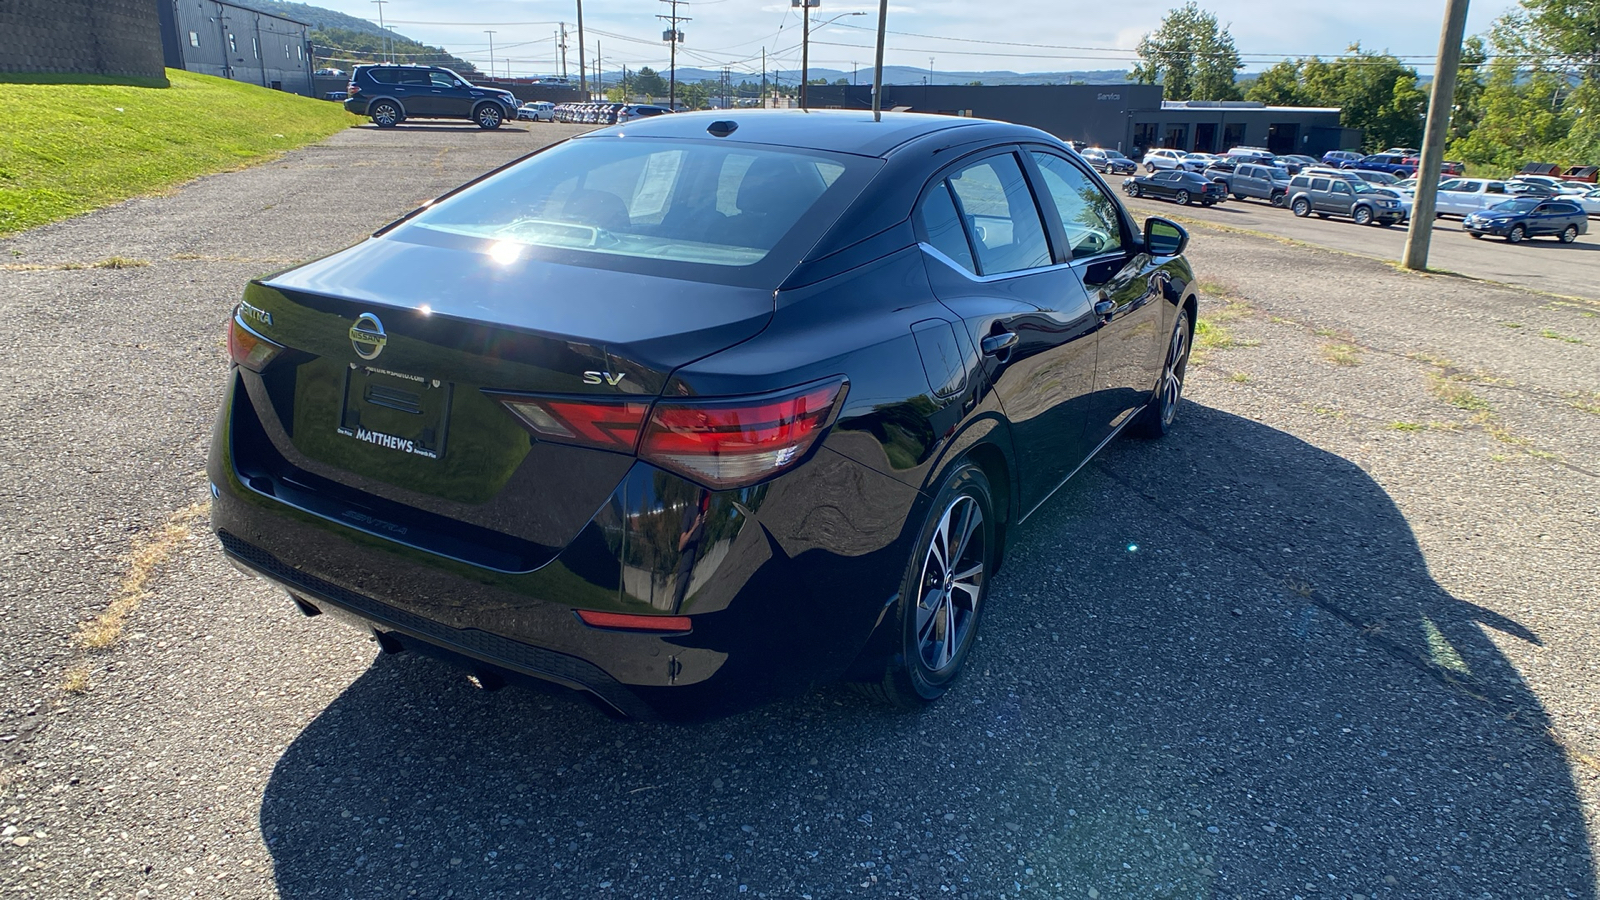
(1163, 237)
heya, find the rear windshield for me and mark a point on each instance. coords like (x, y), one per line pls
(688, 208)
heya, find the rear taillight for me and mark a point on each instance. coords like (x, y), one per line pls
(249, 349)
(720, 443)
(606, 425)
(352, 89)
(735, 442)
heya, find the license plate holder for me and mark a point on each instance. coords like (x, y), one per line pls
(396, 411)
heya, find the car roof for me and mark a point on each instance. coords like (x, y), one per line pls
(839, 130)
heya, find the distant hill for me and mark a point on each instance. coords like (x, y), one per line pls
(343, 40)
(899, 75)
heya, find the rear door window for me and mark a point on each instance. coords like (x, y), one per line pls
(1319, 184)
(1001, 216)
(941, 226)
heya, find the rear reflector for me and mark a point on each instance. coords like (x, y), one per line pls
(736, 442)
(606, 425)
(249, 349)
(626, 622)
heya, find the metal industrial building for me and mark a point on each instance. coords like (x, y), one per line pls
(1124, 117)
(216, 37)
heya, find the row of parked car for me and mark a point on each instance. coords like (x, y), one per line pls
(594, 113)
(1517, 208)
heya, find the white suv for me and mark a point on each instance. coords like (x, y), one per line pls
(1156, 160)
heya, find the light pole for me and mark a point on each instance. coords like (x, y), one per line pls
(805, 43)
(388, 57)
(491, 33)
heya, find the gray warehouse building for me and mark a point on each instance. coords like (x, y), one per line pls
(216, 37)
(1124, 117)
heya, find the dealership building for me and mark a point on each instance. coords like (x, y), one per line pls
(1124, 117)
(230, 40)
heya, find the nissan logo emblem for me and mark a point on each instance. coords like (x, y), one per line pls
(367, 336)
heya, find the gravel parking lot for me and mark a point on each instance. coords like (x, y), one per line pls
(1332, 638)
(1542, 264)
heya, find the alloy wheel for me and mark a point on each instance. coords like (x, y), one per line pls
(952, 581)
(385, 115)
(1516, 235)
(1172, 373)
(1182, 197)
(1570, 235)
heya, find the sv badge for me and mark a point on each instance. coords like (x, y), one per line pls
(604, 377)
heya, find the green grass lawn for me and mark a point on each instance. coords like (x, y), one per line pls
(69, 148)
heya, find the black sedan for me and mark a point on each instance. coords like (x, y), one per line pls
(1526, 217)
(697, 411)
(1182, 188)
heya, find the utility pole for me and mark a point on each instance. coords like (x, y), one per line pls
(583, 79)
(805, 47)
(853, 72)
(763, 77)
(673, 37)
(877, 67)
(599, 82)
(563, 46)
(491, 33)
(1441, 99)
(389, 56)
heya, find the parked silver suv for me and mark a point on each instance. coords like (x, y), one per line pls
(1330, 196)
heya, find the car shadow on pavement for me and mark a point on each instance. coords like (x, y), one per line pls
(1214, 665)
(413, 126)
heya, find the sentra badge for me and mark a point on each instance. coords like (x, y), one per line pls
(246, 311)
(367, 336)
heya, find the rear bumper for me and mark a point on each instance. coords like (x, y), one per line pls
(782, 592)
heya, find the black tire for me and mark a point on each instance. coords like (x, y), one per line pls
(1279, 199)
(937, 618)
(1155, 420)
(1516, 234)
(1570, 234)
(1475, 236)
(1136, 191)
(1302, 207)
(1322, 215)
(385, 114)
(1239, 197)
(1181, 198)
(1361, 215)
(488, 116)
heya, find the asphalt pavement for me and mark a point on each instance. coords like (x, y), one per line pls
(1333, 637)
(1543, 264)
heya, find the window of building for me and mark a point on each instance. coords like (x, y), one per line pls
(194, 39)
(233, 46)
(255, 47)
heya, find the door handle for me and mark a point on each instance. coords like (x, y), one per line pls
(1104, 308)
(996, 344)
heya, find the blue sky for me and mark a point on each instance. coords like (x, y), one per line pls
(959, 36)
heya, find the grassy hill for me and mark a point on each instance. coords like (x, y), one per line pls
(344, 40)
(69, 149)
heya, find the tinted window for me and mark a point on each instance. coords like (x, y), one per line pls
(1494, 187)
(1000, 213)
(1088, 216)
(1319, 184)
(412, 76)
(1340, 187)
(707, 204)
(1300, 182)
(440, 79)
(383, 75)
(942, 225)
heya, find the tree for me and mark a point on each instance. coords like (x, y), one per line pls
(648, 83)
(1373, 91)
(1559, 35)
(1467, 105)
(1190, 55)
(1279, 86)
(1520, 121)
